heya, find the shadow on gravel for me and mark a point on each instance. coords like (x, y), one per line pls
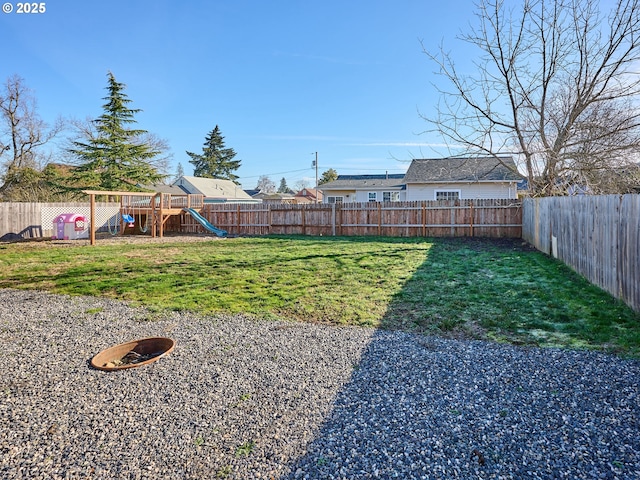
(426, 407)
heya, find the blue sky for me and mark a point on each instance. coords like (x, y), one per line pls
(282, 79)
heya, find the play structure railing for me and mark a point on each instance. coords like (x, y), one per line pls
(181, 201)
(161, 200)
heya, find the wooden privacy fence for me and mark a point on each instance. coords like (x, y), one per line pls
(482, 218)
(35, 220)
(598, 236)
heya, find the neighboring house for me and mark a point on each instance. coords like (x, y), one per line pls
(252, 192)
(163, 188)
(431, 179)
(214, 190)
(308, 195)
(364, 188)
(275, 197)
(464, 178)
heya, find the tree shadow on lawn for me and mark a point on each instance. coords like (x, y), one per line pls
(420, 406)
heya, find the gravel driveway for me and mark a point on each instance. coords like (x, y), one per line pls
(243, 399)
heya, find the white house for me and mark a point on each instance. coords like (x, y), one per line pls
(215, 190)
(364, 188)
(431, 179)
(464, 178)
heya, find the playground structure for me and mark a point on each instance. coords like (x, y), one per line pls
(154, 207)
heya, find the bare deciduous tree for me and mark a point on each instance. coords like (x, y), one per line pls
(265, 184)
(23, 134)
(556, 84)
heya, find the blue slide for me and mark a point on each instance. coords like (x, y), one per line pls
(205, 223)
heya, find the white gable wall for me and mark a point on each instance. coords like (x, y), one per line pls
(347, 195)
(187, 185)
(363, 195)
(470, 191)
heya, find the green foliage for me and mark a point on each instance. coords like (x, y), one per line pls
(245, 449)
(115, 157)
(26, 184)
(216, 160)
(284, 188)
(328, 176)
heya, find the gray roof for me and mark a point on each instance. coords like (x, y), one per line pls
(364, 181)
(161, 187)
(473, 169)
(213, 188)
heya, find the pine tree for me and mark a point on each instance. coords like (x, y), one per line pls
(114, 158)
(216, 161)
(283, 188)
(179, 172)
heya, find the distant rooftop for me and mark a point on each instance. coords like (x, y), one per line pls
(351, 181)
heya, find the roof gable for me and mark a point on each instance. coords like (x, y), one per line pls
(472, 169)
(213, 187)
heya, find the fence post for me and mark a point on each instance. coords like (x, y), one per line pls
(379, 219)
(304, 225)
(471, 218)
(92, 223)
(333, 219)
(238, 221)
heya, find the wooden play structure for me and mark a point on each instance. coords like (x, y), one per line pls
(155, 207)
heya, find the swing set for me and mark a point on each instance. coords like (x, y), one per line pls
(148, 211)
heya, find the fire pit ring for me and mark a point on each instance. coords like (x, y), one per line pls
(133, 354)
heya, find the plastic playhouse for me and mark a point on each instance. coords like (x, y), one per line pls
(70, 226)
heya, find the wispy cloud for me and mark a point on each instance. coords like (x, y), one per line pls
(402, 144)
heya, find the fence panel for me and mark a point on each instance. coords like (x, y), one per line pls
(486, 218)
(35, 220)
(598, 236)
(495, 218)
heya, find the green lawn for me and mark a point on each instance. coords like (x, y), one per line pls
(501, 290)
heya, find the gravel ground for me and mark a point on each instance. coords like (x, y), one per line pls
(243, 399)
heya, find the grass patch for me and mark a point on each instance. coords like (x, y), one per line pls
(498, 290)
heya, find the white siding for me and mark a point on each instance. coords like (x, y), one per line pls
(347, 195)
(468, 191)
(363, 195)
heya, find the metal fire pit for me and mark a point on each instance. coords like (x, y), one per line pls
(133, 354)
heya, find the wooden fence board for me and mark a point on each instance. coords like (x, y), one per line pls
(494, 218)
(598, 236)
(35, 220)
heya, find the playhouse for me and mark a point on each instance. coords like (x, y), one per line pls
(70, 226)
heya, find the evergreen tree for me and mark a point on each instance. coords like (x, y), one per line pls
(216, 161)
(114, 157)
(328, 176)
(179, 172)
(283, 188)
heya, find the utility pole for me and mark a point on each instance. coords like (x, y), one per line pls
(315, 164)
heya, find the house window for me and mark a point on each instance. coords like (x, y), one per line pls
(373, 196)
(390, 196)
(447, 194)
(335, 199)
